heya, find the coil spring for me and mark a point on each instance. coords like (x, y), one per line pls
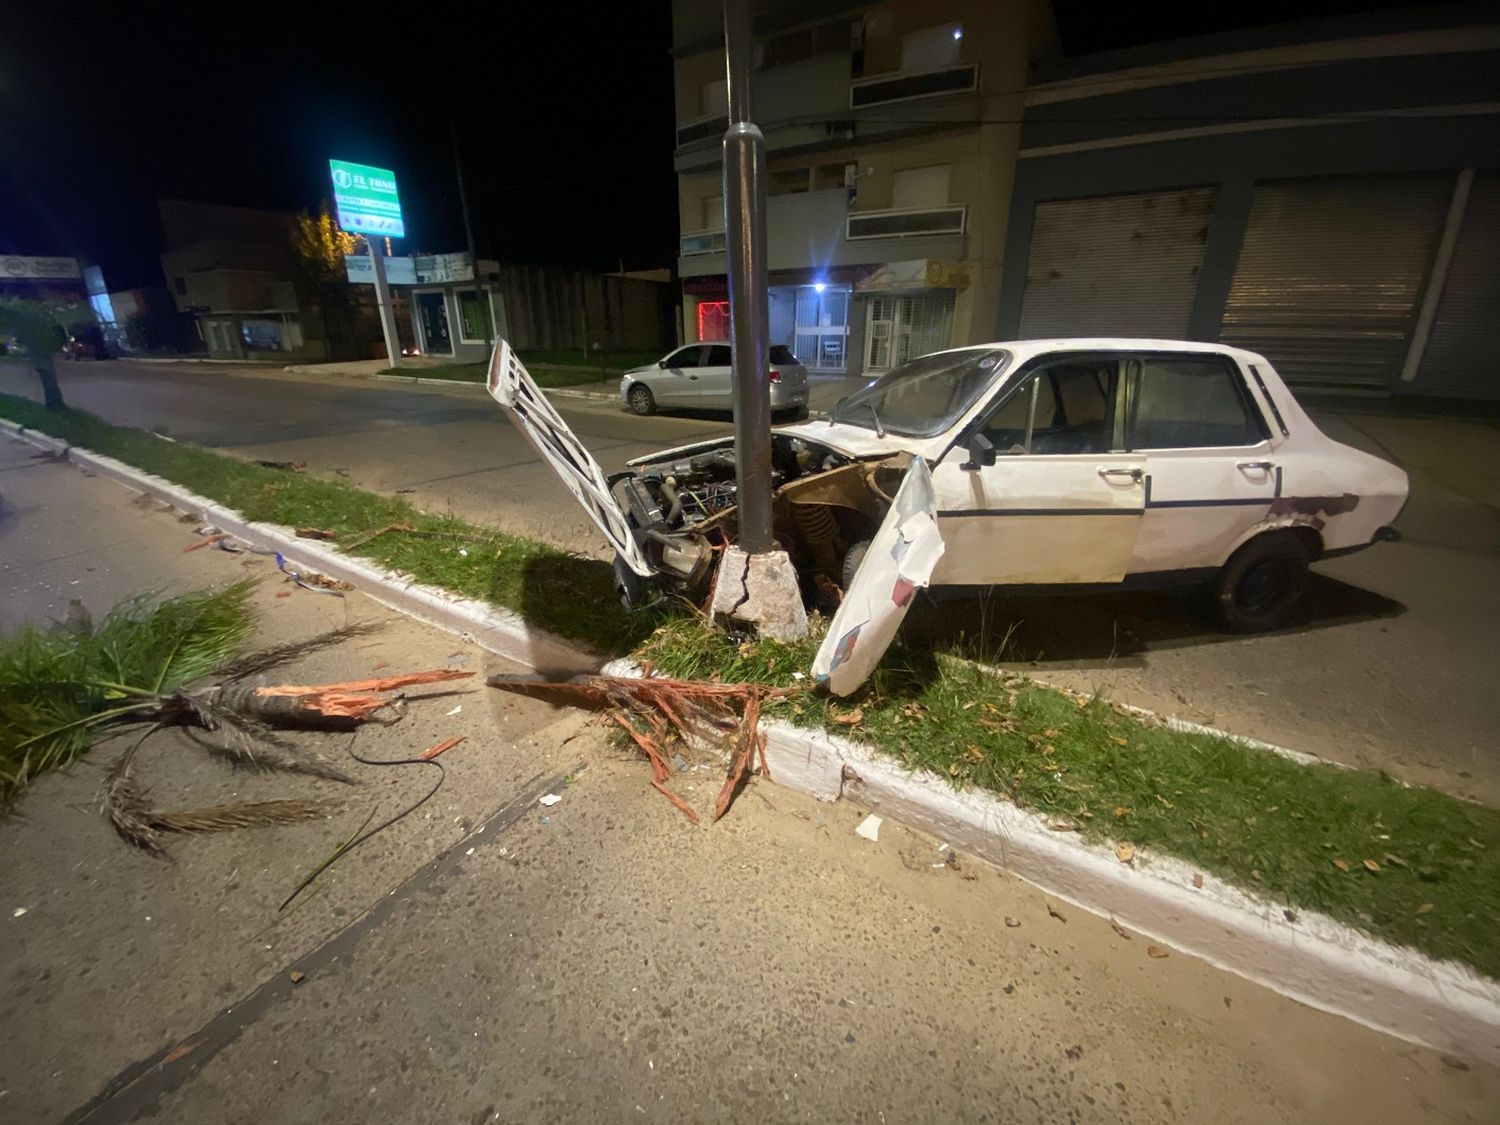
(820, 529)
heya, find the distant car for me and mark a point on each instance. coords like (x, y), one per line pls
(1076, 463)
(85, 341)
(698, 377)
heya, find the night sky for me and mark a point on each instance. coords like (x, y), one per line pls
(565, 119)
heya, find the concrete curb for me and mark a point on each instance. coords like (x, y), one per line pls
(1315, 960)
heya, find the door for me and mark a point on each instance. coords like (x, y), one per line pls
(903, 328)
(432, 315)
(680, 371)
(1330, 273)
(1211, 470)
(1119, 265)
(714, 383)
(1063, 501)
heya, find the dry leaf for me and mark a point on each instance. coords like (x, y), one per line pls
(1121, 812)
(1424, 908)
(1371, 865)
(1125, 853)
(1197, 881)
(1396, 859)
(1341, 864)
(849, 718)
(1157, 951)
(1256, 875)
(1122, 741)
(180, 1051)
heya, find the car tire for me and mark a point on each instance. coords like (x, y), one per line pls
(852, 560)
(641, 400)
(1261, 584)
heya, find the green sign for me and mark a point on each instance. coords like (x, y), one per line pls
(366, 199)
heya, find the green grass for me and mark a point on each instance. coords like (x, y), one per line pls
(570, 596)
(1270, 825)
(475, 373)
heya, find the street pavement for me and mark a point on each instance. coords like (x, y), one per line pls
(1389, 669)
(489, 959)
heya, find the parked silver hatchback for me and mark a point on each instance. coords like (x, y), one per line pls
(698, 377)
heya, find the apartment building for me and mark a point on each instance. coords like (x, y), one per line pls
(941, 173)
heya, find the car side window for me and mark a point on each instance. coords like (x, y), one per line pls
(718, 356)
(1189, 402)
(1065, 407)
(685, 357)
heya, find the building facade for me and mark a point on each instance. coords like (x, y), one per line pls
(1325, 192)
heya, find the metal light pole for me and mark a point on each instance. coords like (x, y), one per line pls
(745, 244)
(463, 203)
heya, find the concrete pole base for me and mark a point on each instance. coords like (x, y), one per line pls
(760, 591)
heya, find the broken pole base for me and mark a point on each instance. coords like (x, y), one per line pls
(760, 591)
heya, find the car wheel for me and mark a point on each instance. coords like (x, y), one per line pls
(1260, 585)
(852, 560)
(641, 400)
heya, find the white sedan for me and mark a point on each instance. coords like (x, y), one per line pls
(1046, 463)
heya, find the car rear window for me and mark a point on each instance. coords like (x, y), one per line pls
(1190, 403)
(782, 354)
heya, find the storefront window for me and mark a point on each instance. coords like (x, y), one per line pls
(822, 327)
(471, 310)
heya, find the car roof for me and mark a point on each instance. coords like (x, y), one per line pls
(1027, 349)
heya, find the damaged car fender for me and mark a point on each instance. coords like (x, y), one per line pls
(900, 560)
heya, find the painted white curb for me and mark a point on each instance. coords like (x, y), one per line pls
(1315, 960)
(497, 630)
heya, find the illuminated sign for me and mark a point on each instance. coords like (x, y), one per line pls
(366, 199)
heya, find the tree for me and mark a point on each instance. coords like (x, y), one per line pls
(320, 246)
(37, 329)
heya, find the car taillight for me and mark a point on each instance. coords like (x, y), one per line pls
(775, 375)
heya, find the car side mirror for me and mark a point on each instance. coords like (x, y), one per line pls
(981, 453)
(661, 363)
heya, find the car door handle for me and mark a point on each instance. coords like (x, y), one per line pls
(1262, 466)
(1133, 474)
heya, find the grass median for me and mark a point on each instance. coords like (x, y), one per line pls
(1411, 866)
(568, 595)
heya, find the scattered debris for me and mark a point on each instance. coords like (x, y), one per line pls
(1121, 930)
(310, 580)
(316, 533)
(869, 828)
(1197, 880)
(1013, 923)
(456, 710)
(284, 466)
(181, 1051)
(211, 541)
(1289, 915)
(1157, 951)
(18, 911)
(1125, 853)
(441, 748)
(296, 977)
(549, 800)
(1454, 1062)
(1056, 913)
(1075, 1052)
(687, 810)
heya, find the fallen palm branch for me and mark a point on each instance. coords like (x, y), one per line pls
(657, 714)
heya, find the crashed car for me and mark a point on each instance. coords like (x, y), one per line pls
(1044, 463)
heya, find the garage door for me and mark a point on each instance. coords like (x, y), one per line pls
(1330, 273)
(1121, 265)
(1461, 357)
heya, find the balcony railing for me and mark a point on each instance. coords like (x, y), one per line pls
(885, 88)
(703, 129)
(703, 242)
(905, 221)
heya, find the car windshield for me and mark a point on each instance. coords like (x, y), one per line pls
(925, 397)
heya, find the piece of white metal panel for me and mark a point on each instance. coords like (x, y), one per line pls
(1119, 265)
(524, 403)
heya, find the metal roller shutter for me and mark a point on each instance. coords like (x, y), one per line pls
(1462, 357)
(1329, 275)
(1121, 265)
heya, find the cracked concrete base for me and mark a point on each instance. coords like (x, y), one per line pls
(761, 591)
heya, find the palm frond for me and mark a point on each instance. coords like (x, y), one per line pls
(263, 659)
(125, 803)
(244, 814)
(161, 646)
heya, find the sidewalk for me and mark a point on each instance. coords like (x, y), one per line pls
(490, 959)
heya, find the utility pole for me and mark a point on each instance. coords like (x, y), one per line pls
(745, 243)
(756, 583)
(463, 203)
(383, 302)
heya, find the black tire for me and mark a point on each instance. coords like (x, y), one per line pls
(641, 400)
(1260, 585)
(852, 559)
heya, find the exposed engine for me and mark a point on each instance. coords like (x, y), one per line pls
(682, 508)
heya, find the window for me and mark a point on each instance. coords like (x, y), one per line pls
(471, 316)
(180, 284)
(713, 320)
(1191, 402)
(684, 357)
(1065, 407)
(805, 42)
(930, 48)
(924, 397)
(782, 355)
(714, 98)
(920, 187)
(821, 328)
(718, 356)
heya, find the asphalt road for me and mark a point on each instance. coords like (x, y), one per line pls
(487, 959)
(1390, 668)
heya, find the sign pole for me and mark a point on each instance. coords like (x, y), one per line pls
(383, 301)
